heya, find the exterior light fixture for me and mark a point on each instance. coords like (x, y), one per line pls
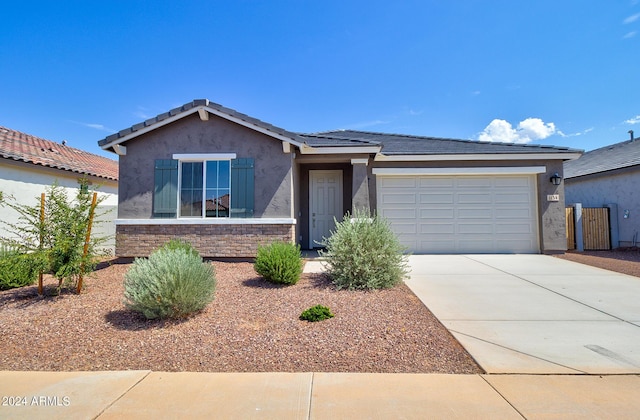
(556, 179)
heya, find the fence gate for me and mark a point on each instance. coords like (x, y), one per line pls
(571, 228)
(595, 227)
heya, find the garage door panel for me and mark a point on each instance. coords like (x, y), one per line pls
(512, 198)
(481, 213)
(398, 182)
(436, 229)
(405, 228)
(437, 198)
(399, 198)
(517, 182)
(475, 229)
(446, 213)
(473, 182)
(399, 214)
(435, 182)
(458, 214)
(473, 198)
(513, 213)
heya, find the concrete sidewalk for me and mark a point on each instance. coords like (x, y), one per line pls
(534, 313)
(152, 395)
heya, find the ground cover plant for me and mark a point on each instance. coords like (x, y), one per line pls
(364, 253)
(316, 313)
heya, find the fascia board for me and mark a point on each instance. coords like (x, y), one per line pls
(499, 170)
(190, 111)
(347, 150)
(484, 156)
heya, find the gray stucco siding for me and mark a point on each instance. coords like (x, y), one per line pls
(273, 168)
(614, 187)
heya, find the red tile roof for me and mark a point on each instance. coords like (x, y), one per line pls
(31, 149)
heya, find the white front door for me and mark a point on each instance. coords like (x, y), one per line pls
(325, 204)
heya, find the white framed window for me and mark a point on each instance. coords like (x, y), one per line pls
(205, 185)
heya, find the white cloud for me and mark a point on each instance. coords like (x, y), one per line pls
(527, 131)
(366, 124)
(631, 18)
(94, 126)
(630, 34)
(634, 120)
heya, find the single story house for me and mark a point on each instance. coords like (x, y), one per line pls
(226, 182)
(609, 177)
(30, 164)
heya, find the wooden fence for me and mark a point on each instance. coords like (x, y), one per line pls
(595, 228)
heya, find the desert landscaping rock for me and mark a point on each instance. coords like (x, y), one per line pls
(251, 326)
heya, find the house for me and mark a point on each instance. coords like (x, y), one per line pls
(609, 177)
(30, 164)
(440, 195)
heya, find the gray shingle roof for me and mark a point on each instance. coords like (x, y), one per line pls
(608, 158)
(189, 106)
(401, 144)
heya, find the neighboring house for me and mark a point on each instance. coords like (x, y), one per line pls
(440, 195)
(609, 176)
(30, 164)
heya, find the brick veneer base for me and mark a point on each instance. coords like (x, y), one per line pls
(222, 241)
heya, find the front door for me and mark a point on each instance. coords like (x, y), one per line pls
(325, 204)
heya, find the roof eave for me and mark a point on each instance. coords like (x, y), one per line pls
(380, 157)
(110, 145)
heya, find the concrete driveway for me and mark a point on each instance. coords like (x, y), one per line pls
(534, 313)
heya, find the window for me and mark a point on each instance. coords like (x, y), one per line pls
(210, 186)
(205, 188)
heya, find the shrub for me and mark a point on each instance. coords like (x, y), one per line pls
(171, 283)
(18, 270)
(279, 262)
(363, 253)
(176, 244)
(316, 313)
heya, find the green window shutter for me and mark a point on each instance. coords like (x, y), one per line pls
(242, 187)
(165, 193)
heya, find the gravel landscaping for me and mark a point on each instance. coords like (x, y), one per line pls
(626, 261)
(251, 325)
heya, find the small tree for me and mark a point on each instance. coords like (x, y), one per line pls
(59, 238)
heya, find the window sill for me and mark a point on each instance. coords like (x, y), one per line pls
(209, 221)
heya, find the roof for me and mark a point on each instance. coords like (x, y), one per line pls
(402, 144)
(384, 145)
(38, 151)
(608, 158)
(192, 107)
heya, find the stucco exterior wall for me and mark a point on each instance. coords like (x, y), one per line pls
(273, 167)
(621, 187)
(551, 215)
(26, 182)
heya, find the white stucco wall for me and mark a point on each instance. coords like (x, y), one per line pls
(621, 188)
(26, 182)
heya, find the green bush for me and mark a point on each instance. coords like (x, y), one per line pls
(18, 270)
(363, 253)
(279, 262)
(171, 283)
(316, 313)
(175, 244)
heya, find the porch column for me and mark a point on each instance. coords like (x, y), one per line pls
(360, 192)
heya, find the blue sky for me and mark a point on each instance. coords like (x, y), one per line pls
(560, 72)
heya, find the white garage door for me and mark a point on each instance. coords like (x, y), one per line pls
(461, 214)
